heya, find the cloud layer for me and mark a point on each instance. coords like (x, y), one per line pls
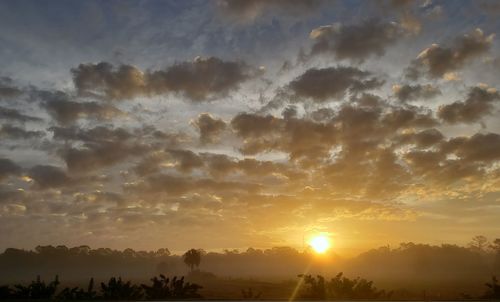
(255, 120)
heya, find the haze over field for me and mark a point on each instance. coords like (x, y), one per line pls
(233, 124)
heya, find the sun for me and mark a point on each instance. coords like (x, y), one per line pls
(320, 243)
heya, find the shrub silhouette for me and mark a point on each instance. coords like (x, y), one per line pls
(315, 287)
(116, 289)
(340, 287)
(250, 295)
(5, 292)
(493, 291)
(36, 290)
(166, 288)
(77, 293)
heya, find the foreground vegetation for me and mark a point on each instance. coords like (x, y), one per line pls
(161, 288)
(164, 288)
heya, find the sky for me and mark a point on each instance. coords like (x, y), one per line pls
(233, 124)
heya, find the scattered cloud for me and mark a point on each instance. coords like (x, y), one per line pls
(437, 61)
(198, 80)
(325, 84)
(355, 42)
(209, 127)
(406, 92)
(478, 104)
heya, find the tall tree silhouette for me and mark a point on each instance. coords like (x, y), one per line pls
(192, 258)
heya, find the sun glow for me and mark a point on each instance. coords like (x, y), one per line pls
(320, 244)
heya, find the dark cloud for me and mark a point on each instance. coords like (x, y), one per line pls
(16, 116)
(302, 139)
(8, 89)
(185, 160)
(479, 103)
(439, 172)
(209, 127)
(202, 78)
(7, 194)
(104, 80)
(176, 186)
(428, 138)
(95, 156)
(409, 117)
(95, 135)
(245, 10)
(355, 42)
(354, 127)
(46, 177)
(13, 132)
(332, 83)
(437, 61)
(479, 147)
(409, 92)
(101, 146)
(423, 139)
(65, 111)
(7, 168)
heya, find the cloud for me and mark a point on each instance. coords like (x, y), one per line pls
(408, 92)
(423, 139)
(209, 127)
(177, 186)
(46, 177)
(91, 135)
(13, 132)
(479, 103)
(437, 61)
(102, 146)
(323, 84)
(304, 140)
(479, 147)
(186, 160)
(8, 168)
(7, 88)
(200, 79)
(355, 42)
(104, 80)
(16, 116)
(246, 10)
(66, 112)
(98, 155)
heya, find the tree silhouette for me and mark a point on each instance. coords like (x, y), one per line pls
(493, 291)
(478, 244)
(192, 258)
(116, 289)
(77, 293)
(36, 290)
(340, 287)
(166, 288)
(249, 294)
(315, 287)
